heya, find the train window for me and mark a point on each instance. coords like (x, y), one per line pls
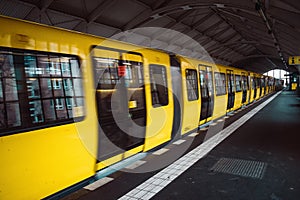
(107, 73)
(192, 84)
(159, 85)
(9, 100)
(238, 83)
(220, 83)
(204, 91)
(38, 90)
(244, 82)
(262, 82)
(253, 83)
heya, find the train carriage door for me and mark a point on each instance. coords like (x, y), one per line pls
(120, 98)
(260, 83)
(254, 86)
(177, 96)
(207, 92)
(249, 79)
(244, 87)
(230, 85)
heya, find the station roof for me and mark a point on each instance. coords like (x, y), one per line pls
(257, 35)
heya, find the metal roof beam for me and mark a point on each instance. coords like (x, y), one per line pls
(202, 34)
(98, 11)
(216, 10)
(160, 3)
(212, 27)
(44, 4)
(198, 23)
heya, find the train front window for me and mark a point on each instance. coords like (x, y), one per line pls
(37, 90)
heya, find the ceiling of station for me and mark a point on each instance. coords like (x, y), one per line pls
(258, 35)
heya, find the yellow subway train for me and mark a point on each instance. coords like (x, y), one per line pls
(72, 104)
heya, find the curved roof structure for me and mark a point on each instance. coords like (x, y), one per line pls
(257, 35)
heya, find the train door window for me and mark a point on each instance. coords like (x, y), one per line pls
(244, 82)
(253, 83)
(204, 91)
(238, 84)
(262, 82)
(159, 86)
(230, 82)
(192, 84)
(42, 92)
(133, 76)
(220, 83)
(210, 83)
(107, 73)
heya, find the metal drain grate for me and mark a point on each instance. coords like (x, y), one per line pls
(246, 168)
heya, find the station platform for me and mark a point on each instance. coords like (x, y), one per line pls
(253, 153)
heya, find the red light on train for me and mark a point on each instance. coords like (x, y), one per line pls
(121, 70)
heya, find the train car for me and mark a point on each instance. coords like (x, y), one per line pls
(72, 104)
(47, 128)
(56, 110)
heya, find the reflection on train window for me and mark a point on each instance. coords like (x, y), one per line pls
(262, 83)
(159, 85)
(220, 83)
(44, 95)
(107, 73)
(230, 82)
(238, 83)
(244, 82)
(252, 83)
(134, 75)
(204, 92)
(192, 84)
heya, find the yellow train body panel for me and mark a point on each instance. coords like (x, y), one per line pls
(159, 119)
(191, 109)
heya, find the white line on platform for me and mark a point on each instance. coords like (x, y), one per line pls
(98, 183)
(160, 151)
(178, 142)
(193, 134)
(160, 180)
(136, 164)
